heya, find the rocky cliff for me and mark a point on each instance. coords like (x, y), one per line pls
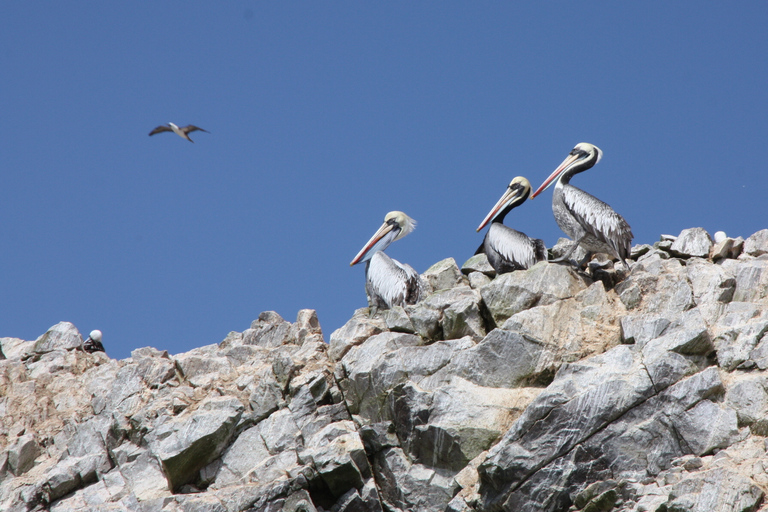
(640, 389)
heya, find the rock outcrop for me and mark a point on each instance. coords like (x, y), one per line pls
(547, 389)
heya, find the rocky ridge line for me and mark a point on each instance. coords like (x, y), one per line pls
(540, 390)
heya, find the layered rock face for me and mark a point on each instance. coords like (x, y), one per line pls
(640, 389)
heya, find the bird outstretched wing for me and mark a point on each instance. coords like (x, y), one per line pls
(160, 129)
(191, 128)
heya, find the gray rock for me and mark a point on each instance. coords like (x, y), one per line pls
(540, 285)
(425, 319)
(478, 263)
(449, 314)
(269, 330)
(338, 455)
(748, 397)
(687, 336)
(443, 275)
(572, 328)
(504, 359)
(694, 242)
(266, 398)
(63, 335)
(716, 489)
(389, 359)
(397, 320)
(757, 244)
(740, 329)
(357, 329)
(626, 431)
(405, 486)
(477, 280)
(751, 279)
(202, 366)
(242, 456)
(14, 348)
(22, 454)
(145, 478)
(191, 442)
(657, 286)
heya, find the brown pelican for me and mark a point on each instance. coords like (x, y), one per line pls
(388, 282)
(507, 249)
(93, 343)
(587, 220)
(182, 132)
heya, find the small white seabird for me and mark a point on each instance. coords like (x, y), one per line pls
(182, 132)
(93, 343)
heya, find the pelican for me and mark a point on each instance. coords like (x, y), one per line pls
(182, 132)
(507, 249)
(587, 220)
(93, 343)
(388, 282)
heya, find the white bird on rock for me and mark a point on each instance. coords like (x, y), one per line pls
(93, 343)
(388, 282)
(507, 249)
(590, 222)
(182, 132)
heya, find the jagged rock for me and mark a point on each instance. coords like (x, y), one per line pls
(338, 455)
(386, 360)
(547, 412)
(543, 284)
(504, 359)
(443, 275)
(63, 335)
(757, 244)
(406, 486)
(627, 431)
(398, 320)
(656, 285)
(478, 263)
(449, 314)
(477, 280)
(13, 348)
(748, 397)
(21, 455)
(739, 333)
(716, 489)
(587, 323)
(185, 445)
(269, 330)
(357, 329)
(694, 242)
(751, 279)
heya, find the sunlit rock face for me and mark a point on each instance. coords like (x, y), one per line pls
(548, 389)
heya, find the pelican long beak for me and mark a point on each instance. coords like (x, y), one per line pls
(549, 181)
(381, 233)
(511, 195)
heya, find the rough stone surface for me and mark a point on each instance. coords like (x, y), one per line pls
(537, 390)
(694, 242)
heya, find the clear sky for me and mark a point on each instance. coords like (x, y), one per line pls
(324, 116)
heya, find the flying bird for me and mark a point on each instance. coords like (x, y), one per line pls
(182, 132)
(507, 249)
(590, 222)
(93, 343)
(388, 282)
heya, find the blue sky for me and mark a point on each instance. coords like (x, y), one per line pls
(324, 116)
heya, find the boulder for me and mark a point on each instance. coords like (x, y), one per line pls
(694, 242)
